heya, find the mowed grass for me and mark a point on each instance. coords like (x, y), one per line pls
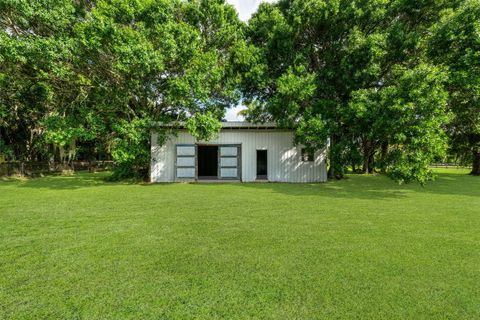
(81, 248)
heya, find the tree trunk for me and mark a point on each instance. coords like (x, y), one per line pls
(384, 157)
(331, 170)
(366, 162)
(476, 163)
(367, 157)
(371, 162)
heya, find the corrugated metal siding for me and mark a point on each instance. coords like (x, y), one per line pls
(284, 159)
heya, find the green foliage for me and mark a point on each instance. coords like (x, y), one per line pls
(62, 131)
(407, 115)
(456, 44)
(418, 103)
(341, 69)
(312, 133)
(204, 126)
(36, 52)
(6, 151)
(130, 149)
(72, 69)
(295, 90)
(369, 75)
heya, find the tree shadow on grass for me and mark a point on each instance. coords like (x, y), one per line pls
(70, 182)
(375, 187)
(355, 186)
(456, 183)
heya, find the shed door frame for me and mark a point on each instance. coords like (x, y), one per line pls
(177, 166)
(219, 159)
(261, 177)
(198, 146)
(238, 157)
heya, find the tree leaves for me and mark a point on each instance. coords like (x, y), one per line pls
(74, 68)
(456, 44)
(203, 126)
(356, 71)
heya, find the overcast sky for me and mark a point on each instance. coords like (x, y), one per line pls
(245, 10)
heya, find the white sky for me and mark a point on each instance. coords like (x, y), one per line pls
(245, 10)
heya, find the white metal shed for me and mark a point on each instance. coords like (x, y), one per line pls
(242, 152)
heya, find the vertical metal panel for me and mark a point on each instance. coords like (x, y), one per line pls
(162, 161)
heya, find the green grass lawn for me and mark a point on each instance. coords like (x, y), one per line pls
(81, 248)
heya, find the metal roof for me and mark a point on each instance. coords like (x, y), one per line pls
(248, 125)
(228, 125)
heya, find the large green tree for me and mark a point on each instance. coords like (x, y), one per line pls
(456, 44)
(36, 74)
(157, 61)
(341, 69)
(104, 71)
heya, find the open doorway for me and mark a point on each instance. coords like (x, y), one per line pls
(262, 170)
(208, 162)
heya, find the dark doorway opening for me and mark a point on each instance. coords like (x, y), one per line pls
(262, 172)
(208, 162)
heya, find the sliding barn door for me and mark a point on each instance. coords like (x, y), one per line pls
(229, 162)
(186, 162)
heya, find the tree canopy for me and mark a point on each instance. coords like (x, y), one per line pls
(391, 85)
(357, 72)
(100, 70)
(456, 45)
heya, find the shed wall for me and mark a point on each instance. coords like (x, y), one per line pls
(284, 158)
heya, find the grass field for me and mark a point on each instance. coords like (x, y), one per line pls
(81, 248)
